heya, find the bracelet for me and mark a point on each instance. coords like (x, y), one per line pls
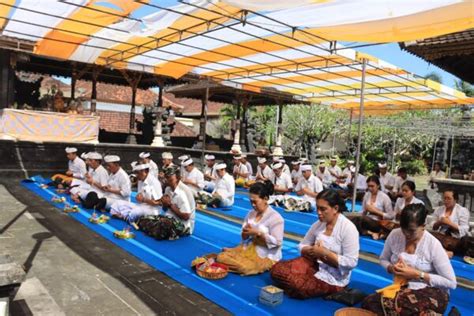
(422, 276)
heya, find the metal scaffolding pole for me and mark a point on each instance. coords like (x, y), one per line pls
(451, 156)
(359, 133)
(205, 101)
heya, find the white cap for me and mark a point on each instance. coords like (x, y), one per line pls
(303, 160)
(277, 158)
(351, 162)
(262, 160)
(210, 157)
(334, 158)
(70, 150)
(186, 163)
(243, 155)
(294, 163)
(322, 163)
(141, 166)
(133, 164)
(352, 169)
(94, 155)
(85, 155)
(306, 168)
(237, 157)
(111, 158)
(183, 157)
(144, 155)
(382, 165)
(167, 155)
(220, 166)
(277, 165)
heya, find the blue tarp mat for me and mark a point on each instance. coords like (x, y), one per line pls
(237, 294)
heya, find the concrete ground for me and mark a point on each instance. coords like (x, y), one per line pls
(73, 271)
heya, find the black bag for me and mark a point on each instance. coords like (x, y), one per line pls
(92, 201)
(349, 297)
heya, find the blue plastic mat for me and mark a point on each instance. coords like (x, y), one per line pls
(237, 294)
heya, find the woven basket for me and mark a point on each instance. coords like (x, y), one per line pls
(353, 311)
(213, 275)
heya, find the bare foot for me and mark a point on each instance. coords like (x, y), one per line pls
(375, 236)
(450, 254)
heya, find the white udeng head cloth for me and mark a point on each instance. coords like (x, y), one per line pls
(94, 155)
(261, 160)
(277, 165)
(350, 162)
(167, 155)
(306, 168)
(85, 155)
(352, 169)
(187, 162)
(210, 157)
(144, 155)
(294, 163)
(334, 158)
(111, 158)
(220, 166)
(382, 165)
(70, 150)
(141, 166)
(237, 157)
(183, 157)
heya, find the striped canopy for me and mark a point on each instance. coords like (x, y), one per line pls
(285, 45)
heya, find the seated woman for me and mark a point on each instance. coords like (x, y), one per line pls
(329, 252)
(376, 206)
(451, 222)
(408, 190)
(148, 197)
(422, 271)
(262, 236)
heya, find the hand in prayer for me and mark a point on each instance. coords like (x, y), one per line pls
(69, 173)
(166, 201)
(405, 271)
(370, 207)
(445, 220)
(140, 198)
(89, 179)
(250, 231)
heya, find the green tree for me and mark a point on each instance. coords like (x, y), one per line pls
(434, 76)
(465, 87)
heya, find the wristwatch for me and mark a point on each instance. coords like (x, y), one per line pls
(422, 276)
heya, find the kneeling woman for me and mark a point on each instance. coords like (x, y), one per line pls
(376, 209)
(422, 271)
(262, 235)
(329, 252)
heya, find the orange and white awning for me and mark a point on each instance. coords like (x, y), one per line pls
(281, 45)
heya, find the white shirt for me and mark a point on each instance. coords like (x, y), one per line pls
(336, 170)
(241, 168)
(313, 183)
(400, 203)
(361, 182)
(77, 167)
(211, 171)
(346, 172)
(382, 203)
(249, 168)
(197, 177)
(296, 175)
(429, 257)
(325, 176)
(286, 170)
(283, 181)
(99, 175)
(121, 181)
(459, 216)
(225, 187)
(151, 189)
(399, 182)
(267, 172)
(182, 197)
(387, 180)
(344, 241)
(436, 175)
(153, 168)
(272, 227)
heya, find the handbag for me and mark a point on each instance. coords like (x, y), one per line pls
(349, 297)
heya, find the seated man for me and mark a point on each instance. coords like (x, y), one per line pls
(96, 177)
(323, 174)
(149, 195)
(295, 172)
(192, 177)
(76, 168)
(182, 159)
(282, 183)
(334, 170)
(210, 173)
(308, 186)
(145, 157)
(167, 160)
(118, 187)
(361, 185)
(247, 164)
(387, 180)
(402, 176)
(240, 172)
(224, 191)
(264, 172)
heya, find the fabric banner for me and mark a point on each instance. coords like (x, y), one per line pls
(48, 126)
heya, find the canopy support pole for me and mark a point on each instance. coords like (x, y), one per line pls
(278, 151)
(434, 154)
(243, 126)
(236, 146)
(394, 143)
(73, 83)
(451, 156)
(158, 140)
(202, 127)
(349, 134)
(359, 133)
(95, 74)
